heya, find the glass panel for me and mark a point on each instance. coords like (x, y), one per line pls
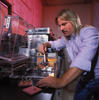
(14, 36)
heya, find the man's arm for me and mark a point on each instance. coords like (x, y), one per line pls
(67, 78)
(70, 75)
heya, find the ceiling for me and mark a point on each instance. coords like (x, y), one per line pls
(64, 2)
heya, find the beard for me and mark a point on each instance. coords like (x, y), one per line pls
(66, 34)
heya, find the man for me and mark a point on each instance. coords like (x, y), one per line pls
(82, 44)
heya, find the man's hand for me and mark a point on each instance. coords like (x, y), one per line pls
(49, 82)
(41, 48)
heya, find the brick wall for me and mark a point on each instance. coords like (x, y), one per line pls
(29, 10)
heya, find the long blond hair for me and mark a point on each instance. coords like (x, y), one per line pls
(70, 15)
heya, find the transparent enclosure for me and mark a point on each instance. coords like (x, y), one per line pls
(13, 36)
(42, 64)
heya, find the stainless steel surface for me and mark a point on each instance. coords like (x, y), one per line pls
(39, 62)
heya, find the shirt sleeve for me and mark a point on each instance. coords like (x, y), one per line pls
(58, 44)
(89, 42)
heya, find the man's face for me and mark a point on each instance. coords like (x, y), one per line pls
(66, 27)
